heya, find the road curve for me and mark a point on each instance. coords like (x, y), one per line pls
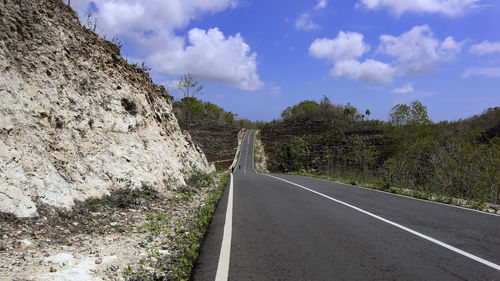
(297, 228)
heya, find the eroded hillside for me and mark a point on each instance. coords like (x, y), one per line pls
(75, 118)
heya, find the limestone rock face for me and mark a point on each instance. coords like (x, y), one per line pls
(75, 118)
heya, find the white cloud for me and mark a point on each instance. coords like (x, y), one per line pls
(418, 51)
(368, 71)
(485, 47)
(321, 4)
(212, 56)
(346, 46)
(305, 23)
(149, 26)
(398, 7)
(406, 89)
(493, 72)
(139, 16)
(344, 50)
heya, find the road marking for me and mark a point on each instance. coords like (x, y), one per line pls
(442, 244)
(405, 196)
(253, 152)
(225, 251)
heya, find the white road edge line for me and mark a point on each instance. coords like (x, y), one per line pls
(442, 244)
(225, 251)
(253, 150)
(405, 196)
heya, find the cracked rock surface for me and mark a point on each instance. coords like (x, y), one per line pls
(75, 118)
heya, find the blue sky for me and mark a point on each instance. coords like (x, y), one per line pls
(255, 58)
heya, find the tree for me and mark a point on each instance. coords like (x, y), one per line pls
(415, 115)
(189, 88)
(213, 111)
(413, 143)
(399, 115)
(297, 153)
(350, 111)
(367, 113)
(287, 113)
(325, 101)
(230, 117)
(304, 108)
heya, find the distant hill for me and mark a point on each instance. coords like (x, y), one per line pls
(454, 158)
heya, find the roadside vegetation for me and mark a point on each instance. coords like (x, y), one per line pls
(184, 234)
(192, 112)
(408, 155)
(260, 156)
(214, 129)
(155, 236)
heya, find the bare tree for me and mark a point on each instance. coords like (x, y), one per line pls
(189, 88)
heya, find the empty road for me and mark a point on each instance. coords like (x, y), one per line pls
(282, 227)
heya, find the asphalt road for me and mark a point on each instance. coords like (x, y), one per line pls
(310, 229)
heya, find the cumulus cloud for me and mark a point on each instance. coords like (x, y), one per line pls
(398, 7)
(211, 55)
(367, 71)
(304, 22)
(150, 27)
(493, 72)
(138, 16)
(485, 47)
(418, 51)
(406, 89)
(346, 46)
(344, 50)
(321, 4)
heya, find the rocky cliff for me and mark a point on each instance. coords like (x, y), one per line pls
(75, 118)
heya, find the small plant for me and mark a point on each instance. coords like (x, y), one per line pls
(218, 167)
(142, 68)
(198, 179)
(128, 183)
(127, 271)
(92, 25)
(385, 186)
(187, 196)
(156, 253)
(155, 223)
(190, 244)
(115, 45)
(189, 234)
(478, 206)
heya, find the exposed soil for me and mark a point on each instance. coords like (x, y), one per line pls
(219, 143)
(98, 239)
